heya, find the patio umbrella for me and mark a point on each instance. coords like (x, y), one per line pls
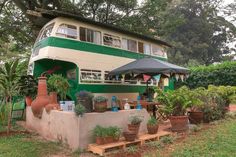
(149, 66)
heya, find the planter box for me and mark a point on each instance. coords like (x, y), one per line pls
(77, 131)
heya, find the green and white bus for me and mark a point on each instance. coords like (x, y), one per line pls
(85, 51)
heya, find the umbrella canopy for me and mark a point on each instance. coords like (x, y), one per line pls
(149, 66)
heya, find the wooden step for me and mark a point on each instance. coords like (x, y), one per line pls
(122, 144)
(149, 137)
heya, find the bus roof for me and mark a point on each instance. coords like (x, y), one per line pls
(51, 14)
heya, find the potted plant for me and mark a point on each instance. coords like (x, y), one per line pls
(129, 135)
(100, 103)
(79, 110)
(57, 85)
(85, 98)
(99, 134)
(174, 106)
(135, 121)
(196, 114)
(28, 88)
(115, 133)
(152, 125)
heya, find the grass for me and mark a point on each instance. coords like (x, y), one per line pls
(25, 145)
(218, 141)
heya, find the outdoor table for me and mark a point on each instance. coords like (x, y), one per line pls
(146, 104)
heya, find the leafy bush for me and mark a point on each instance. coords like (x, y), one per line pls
(27, 86)
(213, 103)
(175, 103)
(219, 75)
(80, 110)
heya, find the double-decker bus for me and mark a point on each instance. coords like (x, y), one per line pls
(84, 51)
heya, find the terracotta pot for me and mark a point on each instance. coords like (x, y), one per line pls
(195, 117)
(28, 100)
(129, 135)
(53, 104)
(42, 98)
(152, 129)
(179, 123)
(108, 139)
(100, 140)
(134, 128)
(100, 107)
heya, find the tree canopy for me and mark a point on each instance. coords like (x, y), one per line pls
(198, 29)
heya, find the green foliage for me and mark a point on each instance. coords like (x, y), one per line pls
(99, 99)
(57, 83)
(223, 74)
(80, 110)
(111, 131)
(27, 86)
(9, 78)
(3, 114)
(152, 121)
(213, 103)
(196, 38)
(175, 103)
(135, 119)
(167, 140)
(132, 149)
(155, 144)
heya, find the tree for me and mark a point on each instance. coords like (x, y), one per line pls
(204, 36)
(8, 84)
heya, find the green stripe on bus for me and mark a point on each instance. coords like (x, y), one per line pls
(104, 88)
(89, 47)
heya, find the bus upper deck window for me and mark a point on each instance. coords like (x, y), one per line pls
(47, 31)
(68, 31)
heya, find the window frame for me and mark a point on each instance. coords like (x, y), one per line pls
(67, 35)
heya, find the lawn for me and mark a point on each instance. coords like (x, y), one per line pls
(220, 141)
(217, 140)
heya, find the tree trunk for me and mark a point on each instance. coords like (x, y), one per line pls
(9, 116)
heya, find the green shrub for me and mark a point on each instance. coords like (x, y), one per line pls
(213, 104)
(219, 75)
(175, 103)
